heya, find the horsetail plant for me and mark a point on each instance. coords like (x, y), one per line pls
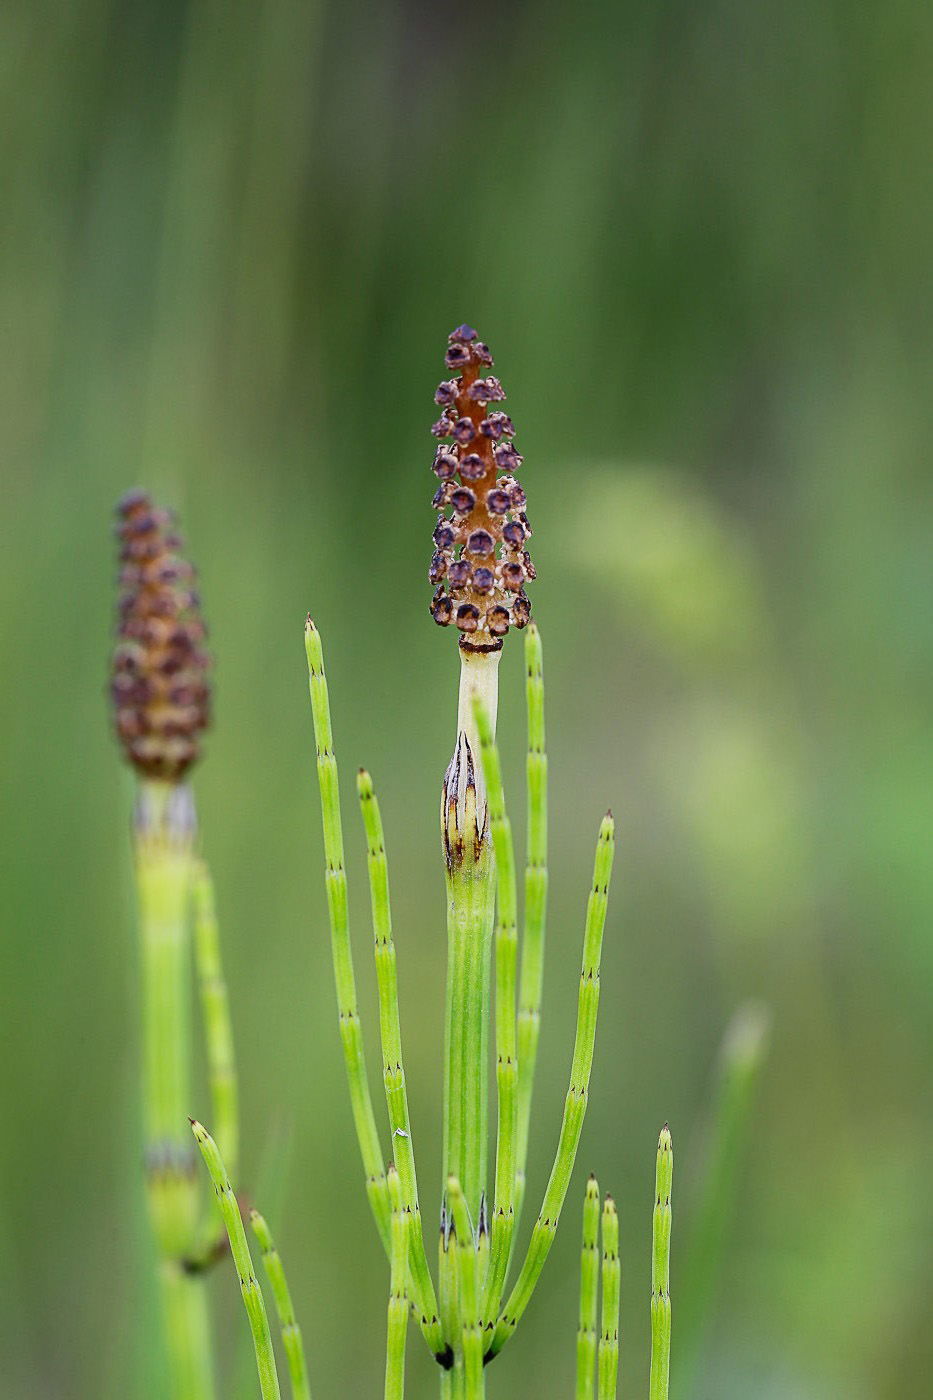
(479, 568)
(161, 695)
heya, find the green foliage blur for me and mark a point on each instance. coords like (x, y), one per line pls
(697, 238)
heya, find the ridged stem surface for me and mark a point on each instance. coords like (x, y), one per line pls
(397, 1326)
(422, 1287)
(239, 1248)
(536, 881)
(292, 1339)
(660, 1270)
(612, 1277)
(545, 1228)
(351, 1033)
(215, 1015)
(589, 1294)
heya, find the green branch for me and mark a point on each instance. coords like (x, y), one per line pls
(575, 1104)
(291, 1333)
(398, 1297)
(661, 1270)
(609, 1340)
(351, 1033)
(249, 1284)
(589, 1293)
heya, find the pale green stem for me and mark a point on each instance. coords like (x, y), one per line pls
(291, 1333)
(536, 880)
(398, 1296)
(448, 1292)
(545, 1228)
(609, 1339)
(589, 1294)
(422, 1287)
(503, 1217)
(163, 836)
(470, 1352)
(470, 911)
(741, 1057)
(351, 1034)
(239, 1248)
(215, 1014)
(660, 1271)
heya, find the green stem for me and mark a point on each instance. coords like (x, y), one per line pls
(609, 1340)
(470, 1351)
(542, 1236)
(239, 1248)
(163, 838)
(661, 1270)
(536, 882)
(351, 1034)
(215, 1014)
(292, 1339)
(741, 1058)
(503, 1219)
(589, 1293)
(398, 1297)
(423, 1295)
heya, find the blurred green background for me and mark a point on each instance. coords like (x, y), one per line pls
(697, 238)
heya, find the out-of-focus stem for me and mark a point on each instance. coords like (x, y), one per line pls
(215, 1014)
(738, 1070)
(163, 842)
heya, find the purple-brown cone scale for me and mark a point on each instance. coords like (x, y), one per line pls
(160, 688)
(481, 562)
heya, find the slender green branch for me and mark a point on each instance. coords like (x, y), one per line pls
(398, 1297)
(589, 1292)
(661, 1270)
(448, 1285)
(422, 1287)
(351, 1033)
(215, 1014)
(249, 1284)
(506, 938)
(291, 1333)
(545, 1228)
(471, 1328)
(536, 880)
(609, 1340)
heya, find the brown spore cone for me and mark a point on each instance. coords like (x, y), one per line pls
(160, 685)
(481, 562)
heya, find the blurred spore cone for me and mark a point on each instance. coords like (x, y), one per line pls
(160, 685)
(481, 563)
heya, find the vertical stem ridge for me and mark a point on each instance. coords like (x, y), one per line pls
(506, 940)
(612, 1277)
(239, 1248)
(292, 1339)
(661, 1270)
(536, 883)
(471, 1326)
(589, 1292)
(542, 1235)
(397, 1327)
(351, 1034)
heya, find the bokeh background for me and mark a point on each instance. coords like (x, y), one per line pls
(697, 238)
